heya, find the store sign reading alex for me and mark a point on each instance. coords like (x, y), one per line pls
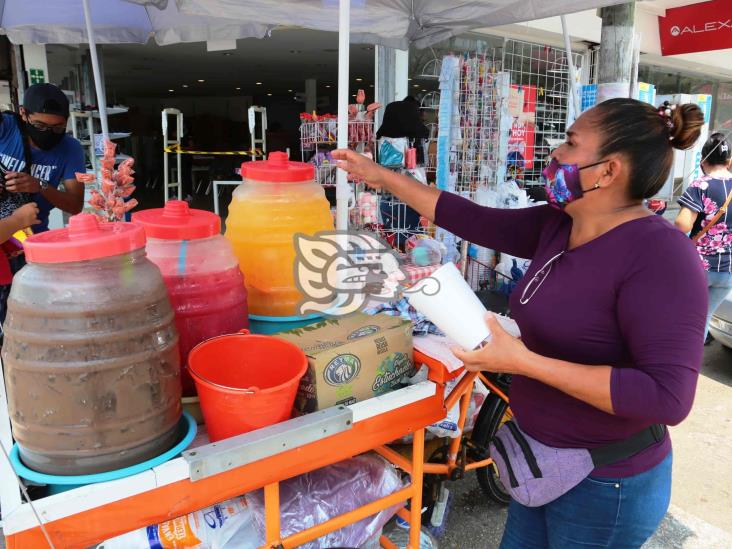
(699, 27)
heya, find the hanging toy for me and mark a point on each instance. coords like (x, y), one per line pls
(367, 208)
(371, 110)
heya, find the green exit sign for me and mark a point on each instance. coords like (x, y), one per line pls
(37, 76)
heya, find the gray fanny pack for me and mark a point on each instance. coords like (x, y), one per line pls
(536, 474)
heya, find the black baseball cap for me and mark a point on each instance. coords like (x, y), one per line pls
(46, 99)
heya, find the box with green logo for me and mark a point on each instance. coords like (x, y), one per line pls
(351, 359)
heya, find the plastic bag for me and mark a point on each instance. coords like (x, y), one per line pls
(510, 195)
(400, 537)
(427, 251)
(392, 150)
(448, 426)
(226, 525)
(320, 495)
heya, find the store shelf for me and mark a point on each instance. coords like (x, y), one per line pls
(111, 111)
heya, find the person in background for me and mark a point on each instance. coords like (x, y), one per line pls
(22, 218)
(37, 157)
(55, 156)
(700, 204)
(611, 313)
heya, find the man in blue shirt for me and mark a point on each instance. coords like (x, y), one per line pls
(55, 155)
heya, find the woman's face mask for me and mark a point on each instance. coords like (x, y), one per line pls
(562, 182)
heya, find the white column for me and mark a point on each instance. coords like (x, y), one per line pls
(401, 74)
(391, 69)
(34, 57)
(343, 188)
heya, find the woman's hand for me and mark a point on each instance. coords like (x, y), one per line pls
(21, 182)
(26, 215)
(360, 168)
(503, 354)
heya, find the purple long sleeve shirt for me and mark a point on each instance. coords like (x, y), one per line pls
(634, 298)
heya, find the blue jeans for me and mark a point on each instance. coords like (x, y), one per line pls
(720, 284)
(612, 513)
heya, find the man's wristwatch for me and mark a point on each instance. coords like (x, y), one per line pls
(44, 184)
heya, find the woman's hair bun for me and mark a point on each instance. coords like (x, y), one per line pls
(687, 120)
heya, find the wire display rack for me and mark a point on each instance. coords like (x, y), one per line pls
(541, 75)
(477, 143)
(319, 137)
(482, 276)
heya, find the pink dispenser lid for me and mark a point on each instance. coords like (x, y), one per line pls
(177, 221)
(85, 238)
(278, 169)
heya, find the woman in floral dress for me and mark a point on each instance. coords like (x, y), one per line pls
(699, 204)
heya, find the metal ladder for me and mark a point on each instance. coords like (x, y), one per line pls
(258, 142)
(167, 184)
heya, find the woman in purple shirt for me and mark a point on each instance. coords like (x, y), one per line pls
(611, 314)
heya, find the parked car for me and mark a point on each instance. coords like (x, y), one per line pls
(721, 324)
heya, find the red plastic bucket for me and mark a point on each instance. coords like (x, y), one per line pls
(245, 382)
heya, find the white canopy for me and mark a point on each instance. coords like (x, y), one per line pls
(115, 22)
(393, 23)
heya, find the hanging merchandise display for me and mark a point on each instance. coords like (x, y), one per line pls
(277, 199)
(90, 351)
(319, 134)
(201, 272)
(473, 135)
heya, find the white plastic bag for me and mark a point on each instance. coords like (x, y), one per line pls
(226, 525)
(448, 426)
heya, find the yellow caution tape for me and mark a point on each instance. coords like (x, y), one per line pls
(175, 149)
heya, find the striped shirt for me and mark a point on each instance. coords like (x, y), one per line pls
(706, 196)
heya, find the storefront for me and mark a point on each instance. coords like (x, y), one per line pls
(533, 53)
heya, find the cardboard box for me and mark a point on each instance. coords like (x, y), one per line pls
(351, 359)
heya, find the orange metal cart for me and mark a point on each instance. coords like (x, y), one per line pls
(87, 515)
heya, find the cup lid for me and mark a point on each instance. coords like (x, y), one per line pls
(278, 168)
(85, 238)
(177, 221)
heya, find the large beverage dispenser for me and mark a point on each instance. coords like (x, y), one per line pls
(277, 199)
(90, 352)
(201, 272)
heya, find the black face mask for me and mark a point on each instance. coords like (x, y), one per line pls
(44, 140)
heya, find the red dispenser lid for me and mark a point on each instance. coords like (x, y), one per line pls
(176, 221)
(278, 169)
(85, 238)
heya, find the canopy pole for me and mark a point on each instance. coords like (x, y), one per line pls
(343, 188)
(101, 102)
(572, 73)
